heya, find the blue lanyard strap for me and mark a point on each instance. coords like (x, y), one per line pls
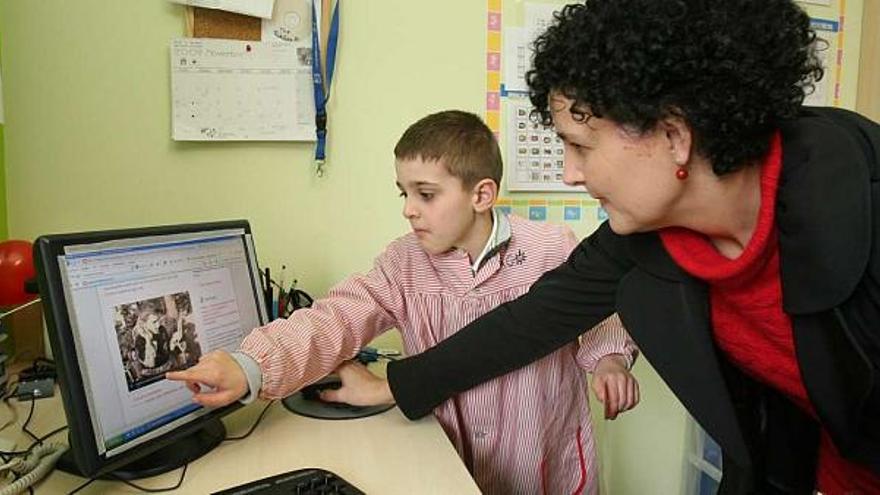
(318, 80)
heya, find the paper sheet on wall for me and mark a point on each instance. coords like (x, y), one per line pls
(517, 58)
(226, 90)
(826, 41)
(539, 16)
(518, 41)
(291, 22)
(256, 8)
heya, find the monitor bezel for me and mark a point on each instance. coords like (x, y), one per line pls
(83, 446)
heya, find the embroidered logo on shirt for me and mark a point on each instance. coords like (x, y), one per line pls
(514, 259)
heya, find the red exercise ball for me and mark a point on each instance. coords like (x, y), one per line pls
(16, 267)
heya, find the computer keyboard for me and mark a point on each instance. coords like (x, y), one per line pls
(310, 481)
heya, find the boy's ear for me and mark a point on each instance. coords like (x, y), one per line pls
(485, 194)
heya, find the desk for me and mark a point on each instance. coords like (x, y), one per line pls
(383, 454)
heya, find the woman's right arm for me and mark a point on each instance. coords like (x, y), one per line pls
(558, 307)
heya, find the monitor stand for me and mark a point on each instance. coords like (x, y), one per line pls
(168, 458)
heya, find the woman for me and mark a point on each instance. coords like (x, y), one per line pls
(742, 249)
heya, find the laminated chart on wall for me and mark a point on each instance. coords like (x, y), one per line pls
(228, 90)
(533, 153)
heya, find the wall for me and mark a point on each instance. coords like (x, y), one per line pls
(88, 146)
(869, 63)
(3, 228)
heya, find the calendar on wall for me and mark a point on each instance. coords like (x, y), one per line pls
(229, 90)
(534, 152)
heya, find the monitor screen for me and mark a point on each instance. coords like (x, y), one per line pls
(125, 307)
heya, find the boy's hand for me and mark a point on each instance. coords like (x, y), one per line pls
(614, 385)
(217, 380)
(359, 387)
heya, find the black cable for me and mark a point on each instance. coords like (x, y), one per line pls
(13, 453)
(24, 427)
(82, 485)
(254, 426)
(156, 490)
(39, 441)
(135, 486)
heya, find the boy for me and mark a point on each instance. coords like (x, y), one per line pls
(525, 432)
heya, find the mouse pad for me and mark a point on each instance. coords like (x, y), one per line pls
(311, 408)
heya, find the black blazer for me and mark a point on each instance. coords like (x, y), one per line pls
(828, 221)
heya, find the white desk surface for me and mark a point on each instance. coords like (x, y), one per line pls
(383, 454)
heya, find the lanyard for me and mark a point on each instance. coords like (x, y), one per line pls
(321, 97)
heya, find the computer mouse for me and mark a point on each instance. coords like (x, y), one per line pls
(313, 391)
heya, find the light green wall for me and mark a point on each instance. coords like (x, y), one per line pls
(88, 129)
(3, 229)
(88, 146)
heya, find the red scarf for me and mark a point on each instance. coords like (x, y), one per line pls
(749, 324)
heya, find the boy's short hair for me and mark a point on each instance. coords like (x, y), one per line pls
(466, 146)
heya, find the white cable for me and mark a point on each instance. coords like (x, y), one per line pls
(19, 308)
(37, 465)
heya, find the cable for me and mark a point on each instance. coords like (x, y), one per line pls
(33, 445)
(24, 427)
(155, 490)
(47, 435)
(19, 308)
(82, 485)
(254, 426)
(135, 486)
(34, 467)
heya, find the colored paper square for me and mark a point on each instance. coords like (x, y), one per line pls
(504, 209)
(572, 212)
(493, 118)
(493, 61)
(493, 81)
(494, 5)
(493, 42)
(494, 21)
(601, 214)
(537, 213)
(492, 101)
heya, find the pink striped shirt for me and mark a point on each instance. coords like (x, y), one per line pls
(526, 432)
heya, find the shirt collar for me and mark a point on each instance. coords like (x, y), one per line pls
(499, 236)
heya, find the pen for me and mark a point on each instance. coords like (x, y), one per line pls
(268, 293)
(281, 295)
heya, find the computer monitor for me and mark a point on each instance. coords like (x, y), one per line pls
(124, 307)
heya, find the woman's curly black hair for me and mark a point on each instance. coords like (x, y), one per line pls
(732, 69)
